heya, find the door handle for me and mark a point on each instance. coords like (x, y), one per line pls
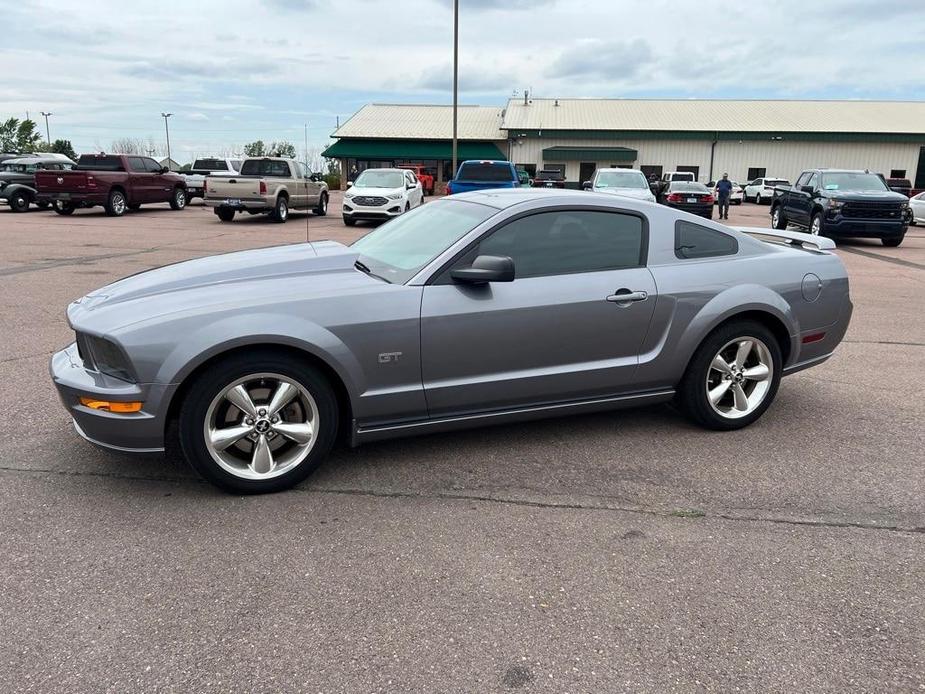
(624, 297)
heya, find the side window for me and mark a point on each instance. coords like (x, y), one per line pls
(153, 166)
(813, 181)
(695, 241)
(803, 180)
(236, 163)
(558, 243)
(137, 164)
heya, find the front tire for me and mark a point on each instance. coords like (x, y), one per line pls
(893, 241)
(19, 202)
(258, 422)
(817, 225)
(280, 211)
(757, 198)
(733, 376)
(178, 199)
(322, 208)
(116, 204)
(350, 222)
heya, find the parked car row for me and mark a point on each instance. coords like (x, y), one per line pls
(17, 179)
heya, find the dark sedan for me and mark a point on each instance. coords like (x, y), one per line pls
(691, 197)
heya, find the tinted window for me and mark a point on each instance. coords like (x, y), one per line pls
(687, 187)
(210, 165)
(153, 166)
(265, 167)
(557, 243)
(803, 180)
(549, 175)
(98, 162)
(485, 171)
(695, 241)
(136, 164)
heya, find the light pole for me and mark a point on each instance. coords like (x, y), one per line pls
(167, 130)
(47, 133)
(455, 80)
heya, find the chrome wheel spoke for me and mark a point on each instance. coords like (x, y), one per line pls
(759, 372)
(717, 393)
(741, 399)
(721, 365)
(744, 349)
(240, 398)
(282, 397)
(301, 432)
(223, 438)
(262, 458)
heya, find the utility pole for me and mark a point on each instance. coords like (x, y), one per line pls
(455, 82)
(47, 133)
(167, 130)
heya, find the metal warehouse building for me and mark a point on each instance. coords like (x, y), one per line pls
(748, 139)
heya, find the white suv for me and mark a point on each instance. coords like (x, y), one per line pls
(380, 194)
(630, 183)
(761, 190)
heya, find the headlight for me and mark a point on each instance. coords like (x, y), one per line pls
(394, 196)
(104, 356)
(348, 195)
(836, 204)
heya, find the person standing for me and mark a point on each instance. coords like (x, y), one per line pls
(724, 191)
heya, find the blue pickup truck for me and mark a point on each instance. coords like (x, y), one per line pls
(483, 175)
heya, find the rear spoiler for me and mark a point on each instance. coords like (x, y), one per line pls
(795, 238)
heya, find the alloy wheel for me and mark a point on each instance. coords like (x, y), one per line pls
(739, 377)
(261, 426)
(775, 217)
(118, 203)
(816, 227)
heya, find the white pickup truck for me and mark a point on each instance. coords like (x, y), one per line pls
(266, 185)
(207, 167)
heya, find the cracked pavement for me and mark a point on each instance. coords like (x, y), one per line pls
(625, 551)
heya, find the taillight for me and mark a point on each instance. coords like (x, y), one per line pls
(205, 185)
(263, 187)
(674, 197)
(708, 198)
(449, 188)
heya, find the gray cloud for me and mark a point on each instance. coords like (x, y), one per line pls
(471, 79)
(232, 69)
(602, 59)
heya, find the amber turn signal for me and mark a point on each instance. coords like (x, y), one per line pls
(107, 406)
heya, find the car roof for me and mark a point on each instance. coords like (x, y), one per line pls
(37, 160)
(503, 198)
(617, 168)
(383, 168)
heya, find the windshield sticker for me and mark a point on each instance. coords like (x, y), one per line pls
(831, 186)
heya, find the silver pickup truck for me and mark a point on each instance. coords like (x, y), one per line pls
(266, 185)
(207, 167)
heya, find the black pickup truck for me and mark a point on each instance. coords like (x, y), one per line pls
(840, 203)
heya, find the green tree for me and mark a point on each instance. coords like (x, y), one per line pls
(19, 136)
(282, 149)
(255, 149)
(60, 147)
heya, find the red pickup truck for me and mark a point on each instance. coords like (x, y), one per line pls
(116, 181)
(427, 181)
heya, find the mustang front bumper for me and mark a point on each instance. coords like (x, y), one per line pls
(137, 432)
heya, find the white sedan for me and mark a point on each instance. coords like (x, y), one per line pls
(380, 194)
(917, 205)
(630, 183)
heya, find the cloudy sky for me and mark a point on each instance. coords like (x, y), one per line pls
(233, 71)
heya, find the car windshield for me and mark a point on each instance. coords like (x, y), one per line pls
(210, 165)
(548, 175)
(621, 179)
(688, 187)
(853, 182)
(99, 162)
(485, 171)
(380, 178)
(398, 250)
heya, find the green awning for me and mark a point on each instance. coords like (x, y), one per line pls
(411, 149)
(610, 154)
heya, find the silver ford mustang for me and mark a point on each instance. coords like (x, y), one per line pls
(481, 308)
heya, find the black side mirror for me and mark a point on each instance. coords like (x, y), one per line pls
(486, 268)
(586, 185)
(808, 189)
(164, 170)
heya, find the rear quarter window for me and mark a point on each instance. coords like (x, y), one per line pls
(695, 241)
(91, 162)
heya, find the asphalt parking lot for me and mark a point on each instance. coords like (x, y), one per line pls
(613, 552)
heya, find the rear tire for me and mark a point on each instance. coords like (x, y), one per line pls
(280, 211)
(116, 203)
(778, 220)
(178, 199)
(322, 208)
(703, 381)
(63, 208)
(262, 374)
(757, 198)
(19, 202)
(894, 241)
(226, 214)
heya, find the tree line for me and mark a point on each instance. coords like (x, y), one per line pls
(23, 137)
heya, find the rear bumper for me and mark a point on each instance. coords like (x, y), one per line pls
(78, 199)
(250, 204)
(704, 210)
(818, 350)
(140, 432)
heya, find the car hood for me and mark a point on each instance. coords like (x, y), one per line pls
(635, 193)
(253, 276)
(872, 196)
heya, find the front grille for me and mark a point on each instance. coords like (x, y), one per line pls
(369, 200)
(872, 210)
